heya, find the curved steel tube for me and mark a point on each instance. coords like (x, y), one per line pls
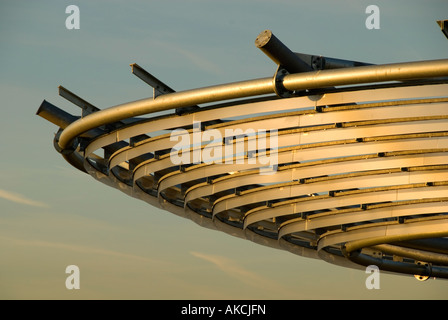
(428, 256)
(395, 266)
(166, 102)
(308, 80)
(369, 242)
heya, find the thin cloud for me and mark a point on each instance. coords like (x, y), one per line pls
(21, 199)
(234, 270)
(230, 267)
(195, 58)
(77, 248)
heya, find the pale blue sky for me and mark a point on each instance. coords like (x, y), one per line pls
(52, 216)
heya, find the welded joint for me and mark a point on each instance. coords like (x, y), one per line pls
(279, 89)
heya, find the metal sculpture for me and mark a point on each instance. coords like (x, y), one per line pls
(361, 150)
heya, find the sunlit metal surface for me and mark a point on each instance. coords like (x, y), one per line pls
(443, 24)
(361, 176)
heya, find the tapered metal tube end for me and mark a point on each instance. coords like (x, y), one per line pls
(41, 107)
(280, 53)
(55, 115)
(263, 38)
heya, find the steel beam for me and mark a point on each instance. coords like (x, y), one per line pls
(318, 62)
(159, 88)
(55, 115)
(87, 108)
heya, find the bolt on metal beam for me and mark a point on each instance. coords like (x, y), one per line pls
(318, 62)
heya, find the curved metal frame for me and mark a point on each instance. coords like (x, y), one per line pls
(362, 169)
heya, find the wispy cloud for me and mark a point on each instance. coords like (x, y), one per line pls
(76, 248)
(196, 58)
(230, 267)
(235, 270)
(21, 199)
